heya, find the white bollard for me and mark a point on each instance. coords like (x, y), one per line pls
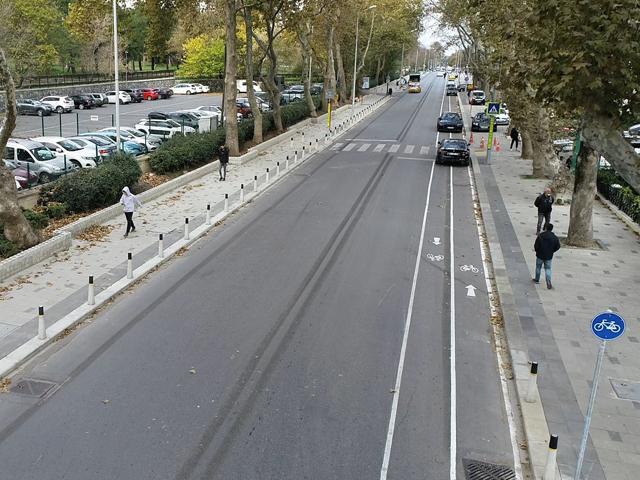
(291, 142)
(295, 157)
(226, 202)
(242, 193)
(277, 169)
(42, 331)
(208, 221)
(161, 245)
(186, 228)
(286, 163)
(550, 467)
(267, 177)
(302, 157)
(129, 265)
(255, 183)
(533, 382)
(91, 293)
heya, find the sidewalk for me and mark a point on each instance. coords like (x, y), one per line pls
(552, 327)
(60, 283)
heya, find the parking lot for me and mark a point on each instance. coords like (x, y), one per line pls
(80, 121)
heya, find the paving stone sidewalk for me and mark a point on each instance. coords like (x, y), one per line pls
(556, 323)
(60, 283)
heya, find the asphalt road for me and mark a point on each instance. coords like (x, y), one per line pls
(321, 333)
(80, 121)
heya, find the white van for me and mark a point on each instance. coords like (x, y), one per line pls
(37, 158)
(242, 86)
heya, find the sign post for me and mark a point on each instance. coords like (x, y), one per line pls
(328, 95)
(493, 109)
(605, 326)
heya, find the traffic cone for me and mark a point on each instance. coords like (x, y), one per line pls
(471, 139)
(482, 145)
(498, 147)
(495, 142)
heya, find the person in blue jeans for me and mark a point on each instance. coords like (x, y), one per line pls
(545, 246)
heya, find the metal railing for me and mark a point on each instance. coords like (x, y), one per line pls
(45, 81)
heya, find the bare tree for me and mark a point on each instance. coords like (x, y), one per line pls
(16, 228)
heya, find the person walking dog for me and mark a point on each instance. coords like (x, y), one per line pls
(544, 202)
(515, 138)
(129, 202)
(223, 157)
(546, 245)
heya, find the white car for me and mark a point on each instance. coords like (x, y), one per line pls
(131, 134)
(185, 89)
(162, 128)
(80, 156)
(202, 88)
(241, 85)
(209, 108)
(502, 119)
(122, 97)
(59, 104)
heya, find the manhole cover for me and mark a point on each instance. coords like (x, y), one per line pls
(626, 389)
(475, 470)
(33, 388)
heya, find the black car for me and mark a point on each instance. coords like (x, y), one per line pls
(136, 95)
(164, 92)
(452, 90)
(450, 122)
(33, 107)
(481, 122)
(453, 150)
(82, 101)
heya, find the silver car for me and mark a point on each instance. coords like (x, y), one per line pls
(36, 158)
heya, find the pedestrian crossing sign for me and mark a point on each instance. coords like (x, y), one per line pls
(493, 108)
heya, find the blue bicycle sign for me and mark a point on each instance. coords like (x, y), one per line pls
(607, 326)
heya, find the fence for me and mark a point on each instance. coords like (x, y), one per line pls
(621, 195)
(45, 81)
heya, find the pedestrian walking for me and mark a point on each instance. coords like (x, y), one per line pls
(546, 245)
(515, 138)
(544, 202)
(223, 157)
(129, 200)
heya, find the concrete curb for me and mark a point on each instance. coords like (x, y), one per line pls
(60, 328)
(626, 219)
(27, 258)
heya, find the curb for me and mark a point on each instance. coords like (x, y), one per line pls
(60, 328)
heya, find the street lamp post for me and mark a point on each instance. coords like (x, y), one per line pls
(115, 71)
(355, 59)
(402, 61)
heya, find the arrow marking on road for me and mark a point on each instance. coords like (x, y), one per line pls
(436, 240)
(471, 291)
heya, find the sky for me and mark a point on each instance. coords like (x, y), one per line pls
(433, 33)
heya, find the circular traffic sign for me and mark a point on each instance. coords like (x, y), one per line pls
(607, 326)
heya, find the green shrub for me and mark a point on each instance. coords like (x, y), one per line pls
(186, 151)
(89, 189)
(55, 210)
(37, 220)
(7, 248)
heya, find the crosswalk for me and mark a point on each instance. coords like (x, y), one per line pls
(422, 150)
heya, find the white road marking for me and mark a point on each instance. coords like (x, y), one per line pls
(453, 444)
(369, 140)
(405, 338)
(379, 147)
(424, 150)
(471, 291)
(364, 147)
(436, 240)
(408, 149)
(420, 159)
(337, 146)
(349, 147)
(394, 148)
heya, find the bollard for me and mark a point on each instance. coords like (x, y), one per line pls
(91, 294)
(277, 169)
(295, 157)
(302, 156)
(533, 382)
(286, 163)
(161, 246)
(42, 332)
(291, 142)
(550, 467)
(316, 144)
(208, 221)
(242, 193)
(226, 202)
(186, 228)
(267, 176)
(129, 265)
(255, 183)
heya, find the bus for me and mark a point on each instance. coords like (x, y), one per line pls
(414, 83)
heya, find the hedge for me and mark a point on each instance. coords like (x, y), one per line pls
(89, 189)
(37, 220)
(188, 151)
(618, 192)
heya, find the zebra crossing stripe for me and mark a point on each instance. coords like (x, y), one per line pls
(336, 146)
(394, 148)
(379, 147)
(364, 147)
(424, 150)
(408, 149)
(349, 147)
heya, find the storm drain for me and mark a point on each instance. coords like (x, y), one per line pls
(626, 389)
(476, 470)
(32, 388)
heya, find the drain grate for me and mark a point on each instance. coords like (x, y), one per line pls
(476, 470)
(626, 389)
(32, 388)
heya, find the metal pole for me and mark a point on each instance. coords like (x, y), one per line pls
(402, 60)
(592, 401)
(115, 71)
(355, 63)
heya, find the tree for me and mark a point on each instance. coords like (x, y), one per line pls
(162, 21)
(90, 22)
(134, 25)
(255, 109)
(230, 88)
(203, 57)
(16, 228)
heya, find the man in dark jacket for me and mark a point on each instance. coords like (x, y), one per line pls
(223, 157)
(544, 202)
(515, 138)
(545, 246)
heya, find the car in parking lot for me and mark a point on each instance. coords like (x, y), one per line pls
(453, 150)
(477, 97)
(164, 93)
(80, 156)
(481, 122)
(244, 108)
(100, 147)
(150, 93)
(162, 128)
(126, 145)
(60, 104)
(184, 119)
(82, 101)
(33, 107)
(450, 122)
(241, 86)
(185, 89)
(202, 88)
(136, 94)
(37, 158)
(122, 97)
(151, 142)
(24, 178)
(99, 99)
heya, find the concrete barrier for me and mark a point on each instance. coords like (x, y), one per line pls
(27, 258)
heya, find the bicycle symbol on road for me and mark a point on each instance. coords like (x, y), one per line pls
(610, 325)
(435, 258)
(469, 268)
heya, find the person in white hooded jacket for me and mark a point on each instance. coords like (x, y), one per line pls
(129, 202)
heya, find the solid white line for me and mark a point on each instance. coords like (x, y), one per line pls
(369, 140)
(416, 158)
(452, 362)
(405, 337)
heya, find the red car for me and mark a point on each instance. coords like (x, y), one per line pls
(150, 94)
(244, 108)
(20, 174)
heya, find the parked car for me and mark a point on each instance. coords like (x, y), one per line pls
(182, 118)
(477, 97)
(37, 158)
(450, 122)
(453, 150)
(59, 104)
(162, 128)
(82, 101)
(99, 99)
(244, 108)
(451, 89)
(151, 142)
(262, 105)
(296, 88)
(241, 85)
(481, 122)
(290, 96)
(126, 145)
(122, 97)
(150, 93)
(210, 108)
(164, 93)
(100, 147)
(502, 118)
(136, 95)
(24, 178)
(81, 157)
(33, 107)
(203, 88)
(185, 89)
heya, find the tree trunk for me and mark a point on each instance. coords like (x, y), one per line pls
(16, 228)
(140, 64)
(272, 87)
(255, 110)
(329, 73)
(584, 191)
(230, 88)
(543, 153)
(342, 79)
(526, 144)
(153, 63)
(303, 38)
